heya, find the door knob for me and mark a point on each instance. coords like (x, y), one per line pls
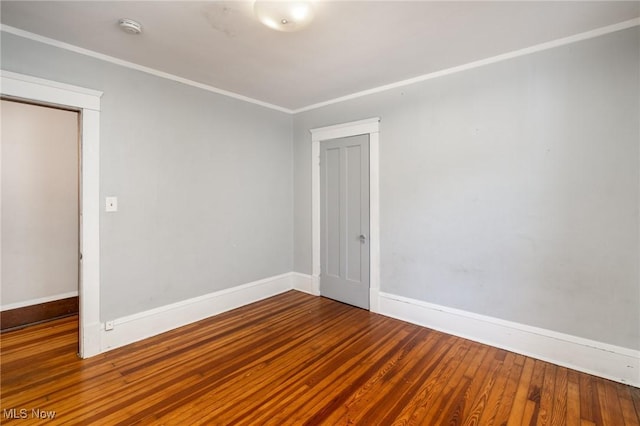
(363, 238)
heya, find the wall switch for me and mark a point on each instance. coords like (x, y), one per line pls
(108, 325)
(111, 204)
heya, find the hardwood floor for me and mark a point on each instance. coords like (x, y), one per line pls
(303, 360)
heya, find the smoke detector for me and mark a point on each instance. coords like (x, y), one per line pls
(130, 26)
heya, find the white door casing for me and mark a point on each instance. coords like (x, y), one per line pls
(87, 101)
(371, 127)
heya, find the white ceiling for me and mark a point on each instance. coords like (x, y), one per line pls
(349, 47)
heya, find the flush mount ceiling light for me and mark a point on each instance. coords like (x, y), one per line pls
(130, 26)
(286, 16)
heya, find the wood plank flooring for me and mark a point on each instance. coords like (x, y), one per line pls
(296, 359)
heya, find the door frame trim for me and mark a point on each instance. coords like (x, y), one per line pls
(87, 101)
(371, 127)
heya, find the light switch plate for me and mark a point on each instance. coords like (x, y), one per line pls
(111, 204)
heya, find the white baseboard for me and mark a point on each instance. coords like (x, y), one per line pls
(589, 356)
(600, 359)
(304, 283)
(309, 284)
(38, 301)
(142, 325)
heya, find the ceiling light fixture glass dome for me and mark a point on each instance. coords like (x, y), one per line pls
(286, 16)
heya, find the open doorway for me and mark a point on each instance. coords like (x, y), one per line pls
(40, 213)
(87, 101)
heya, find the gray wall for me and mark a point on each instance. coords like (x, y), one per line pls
(39, 203)
(509, 190)
(203, 182)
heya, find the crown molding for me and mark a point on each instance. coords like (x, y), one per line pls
(480, 63)
(468, 66)
(137, 67)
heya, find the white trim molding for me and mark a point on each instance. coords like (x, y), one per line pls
(136, 327)
(304, 283)
(134, 66)
(38, 301)
(475, 64)
(87, 101)
(370, 126)
(480, 63)
(601, 359)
